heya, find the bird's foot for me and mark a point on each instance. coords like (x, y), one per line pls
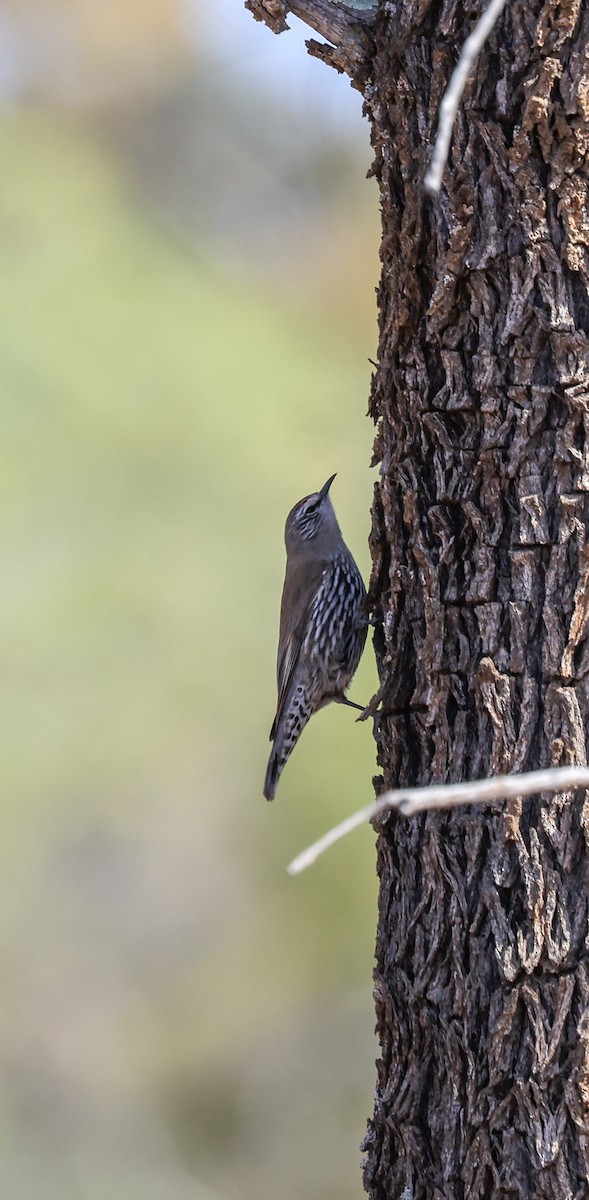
(365, 711)
(363, 620)
(376, 714)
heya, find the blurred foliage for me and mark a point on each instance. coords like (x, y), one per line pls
(73, 51)
(179, 1018)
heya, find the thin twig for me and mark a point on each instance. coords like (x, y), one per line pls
(308, 857)
(409, 801)
(453, 93)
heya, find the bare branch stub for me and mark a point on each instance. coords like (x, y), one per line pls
(332, 56)
(271, 12)
(348, 46)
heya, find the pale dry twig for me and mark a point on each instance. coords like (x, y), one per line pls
(409, 801)
(453, 93)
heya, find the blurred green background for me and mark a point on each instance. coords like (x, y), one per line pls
(188, 256)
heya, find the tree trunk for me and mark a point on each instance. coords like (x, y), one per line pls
(481, 569)
(481, 573)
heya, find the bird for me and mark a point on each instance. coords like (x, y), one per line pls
(322, 625)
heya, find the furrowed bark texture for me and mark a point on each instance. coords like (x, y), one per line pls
(481, 568)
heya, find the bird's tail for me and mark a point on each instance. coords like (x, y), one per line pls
(272, 775)
(287, 731)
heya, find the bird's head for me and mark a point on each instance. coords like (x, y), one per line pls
(311, 526)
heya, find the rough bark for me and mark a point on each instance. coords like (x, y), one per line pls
(481, 572)
(481, 568)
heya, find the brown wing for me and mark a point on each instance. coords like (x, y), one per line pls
(300, 588)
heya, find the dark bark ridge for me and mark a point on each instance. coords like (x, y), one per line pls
(481, 571)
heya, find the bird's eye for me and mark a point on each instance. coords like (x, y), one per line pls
(307, 519)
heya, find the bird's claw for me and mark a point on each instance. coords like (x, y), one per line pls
(376, 714)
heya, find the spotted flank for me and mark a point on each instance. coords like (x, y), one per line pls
(327, 660)
(337, 632)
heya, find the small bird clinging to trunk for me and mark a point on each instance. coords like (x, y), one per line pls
(322, 625)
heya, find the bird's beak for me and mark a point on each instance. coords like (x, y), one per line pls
(326, 487)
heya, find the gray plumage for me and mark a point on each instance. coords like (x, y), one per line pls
(322, 624)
